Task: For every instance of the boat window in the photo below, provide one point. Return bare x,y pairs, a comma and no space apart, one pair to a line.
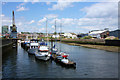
32,46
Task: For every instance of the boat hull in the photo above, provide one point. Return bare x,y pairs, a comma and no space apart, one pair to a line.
42,57
32,51
73,65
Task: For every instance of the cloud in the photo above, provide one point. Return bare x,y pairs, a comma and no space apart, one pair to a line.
102,10
20,5
2,15
25,0
34,1
97,16
51,16
32,21
19,23
22,9
53,26
85,24
6,20
48,3
41,29
3,3
110,0
40,22
22,24
61,4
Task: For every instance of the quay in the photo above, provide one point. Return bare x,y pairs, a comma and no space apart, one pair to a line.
6,44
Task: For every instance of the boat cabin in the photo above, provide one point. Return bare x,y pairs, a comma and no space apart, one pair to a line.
34,45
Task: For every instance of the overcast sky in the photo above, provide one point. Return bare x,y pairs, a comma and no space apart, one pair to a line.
78,17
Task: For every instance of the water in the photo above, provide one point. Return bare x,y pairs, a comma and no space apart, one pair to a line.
90,63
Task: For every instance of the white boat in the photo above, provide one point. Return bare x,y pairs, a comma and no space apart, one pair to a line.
43,53
33,47
63,60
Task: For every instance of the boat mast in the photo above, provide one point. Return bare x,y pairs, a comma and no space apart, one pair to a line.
60,35
55,32
46,30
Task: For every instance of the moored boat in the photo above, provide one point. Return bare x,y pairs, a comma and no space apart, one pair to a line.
62,58
33,46
43,52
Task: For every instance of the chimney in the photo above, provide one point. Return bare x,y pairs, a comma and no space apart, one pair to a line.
13,19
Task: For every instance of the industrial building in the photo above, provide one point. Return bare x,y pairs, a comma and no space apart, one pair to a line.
115,33
5,30
98,33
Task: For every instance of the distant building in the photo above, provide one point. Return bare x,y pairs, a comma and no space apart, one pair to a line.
5,30
69,35
56,36
104,34
81,35
30,36
115,33
97,33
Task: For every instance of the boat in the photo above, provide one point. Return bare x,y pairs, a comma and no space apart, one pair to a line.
33,46
62,59
43,52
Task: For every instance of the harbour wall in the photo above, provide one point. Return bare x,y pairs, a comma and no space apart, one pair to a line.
5,45
112,42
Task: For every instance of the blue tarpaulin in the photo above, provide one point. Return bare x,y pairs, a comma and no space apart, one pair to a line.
43,43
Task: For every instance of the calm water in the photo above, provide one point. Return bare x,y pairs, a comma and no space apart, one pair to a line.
90,63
